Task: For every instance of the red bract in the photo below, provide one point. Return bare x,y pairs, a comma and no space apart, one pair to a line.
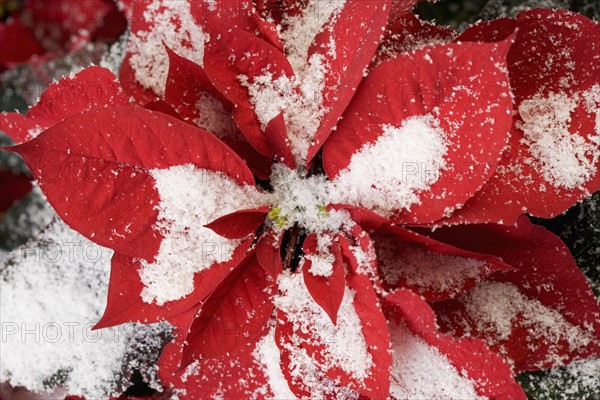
39,30
302,283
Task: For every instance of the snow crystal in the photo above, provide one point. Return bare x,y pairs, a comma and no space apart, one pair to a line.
189,199
344,344
420,371
496,306
303,200
417,148
425,269
173,24
53,291
564,159
267,354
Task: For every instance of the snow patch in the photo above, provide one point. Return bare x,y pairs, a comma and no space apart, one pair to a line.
389,174
190,198
416,365
564,159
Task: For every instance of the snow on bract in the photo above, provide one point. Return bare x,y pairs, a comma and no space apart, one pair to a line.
53,291
424,269
564,158
495,308
416,151
189,199
415,365
170,22
344,345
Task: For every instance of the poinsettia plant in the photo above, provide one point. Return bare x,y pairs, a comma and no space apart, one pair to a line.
330,199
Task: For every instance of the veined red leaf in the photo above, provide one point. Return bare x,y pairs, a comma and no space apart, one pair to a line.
234,315
553,160
542,315
268,252
424,131
125,292
464,368
14,187
314,346
323,272
90,89
435,270
345,46
163,107
240,375
239,224
489,31
95,168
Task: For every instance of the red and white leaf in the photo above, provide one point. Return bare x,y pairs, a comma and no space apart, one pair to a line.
553,160
461,369
353,353
239,224
424,131
125,292
435,270
277,141
323,272
542,315
14,188
344,47
234,314
96,167
145,68
232,54
92,88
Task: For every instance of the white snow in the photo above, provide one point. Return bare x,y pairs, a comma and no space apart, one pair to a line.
389,174
267,353
565,159
214,118
53,291
425,269
420,371
495,307
189,199
344,344
173,24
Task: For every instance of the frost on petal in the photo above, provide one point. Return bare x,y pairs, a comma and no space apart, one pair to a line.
353,353
435,270
190,198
